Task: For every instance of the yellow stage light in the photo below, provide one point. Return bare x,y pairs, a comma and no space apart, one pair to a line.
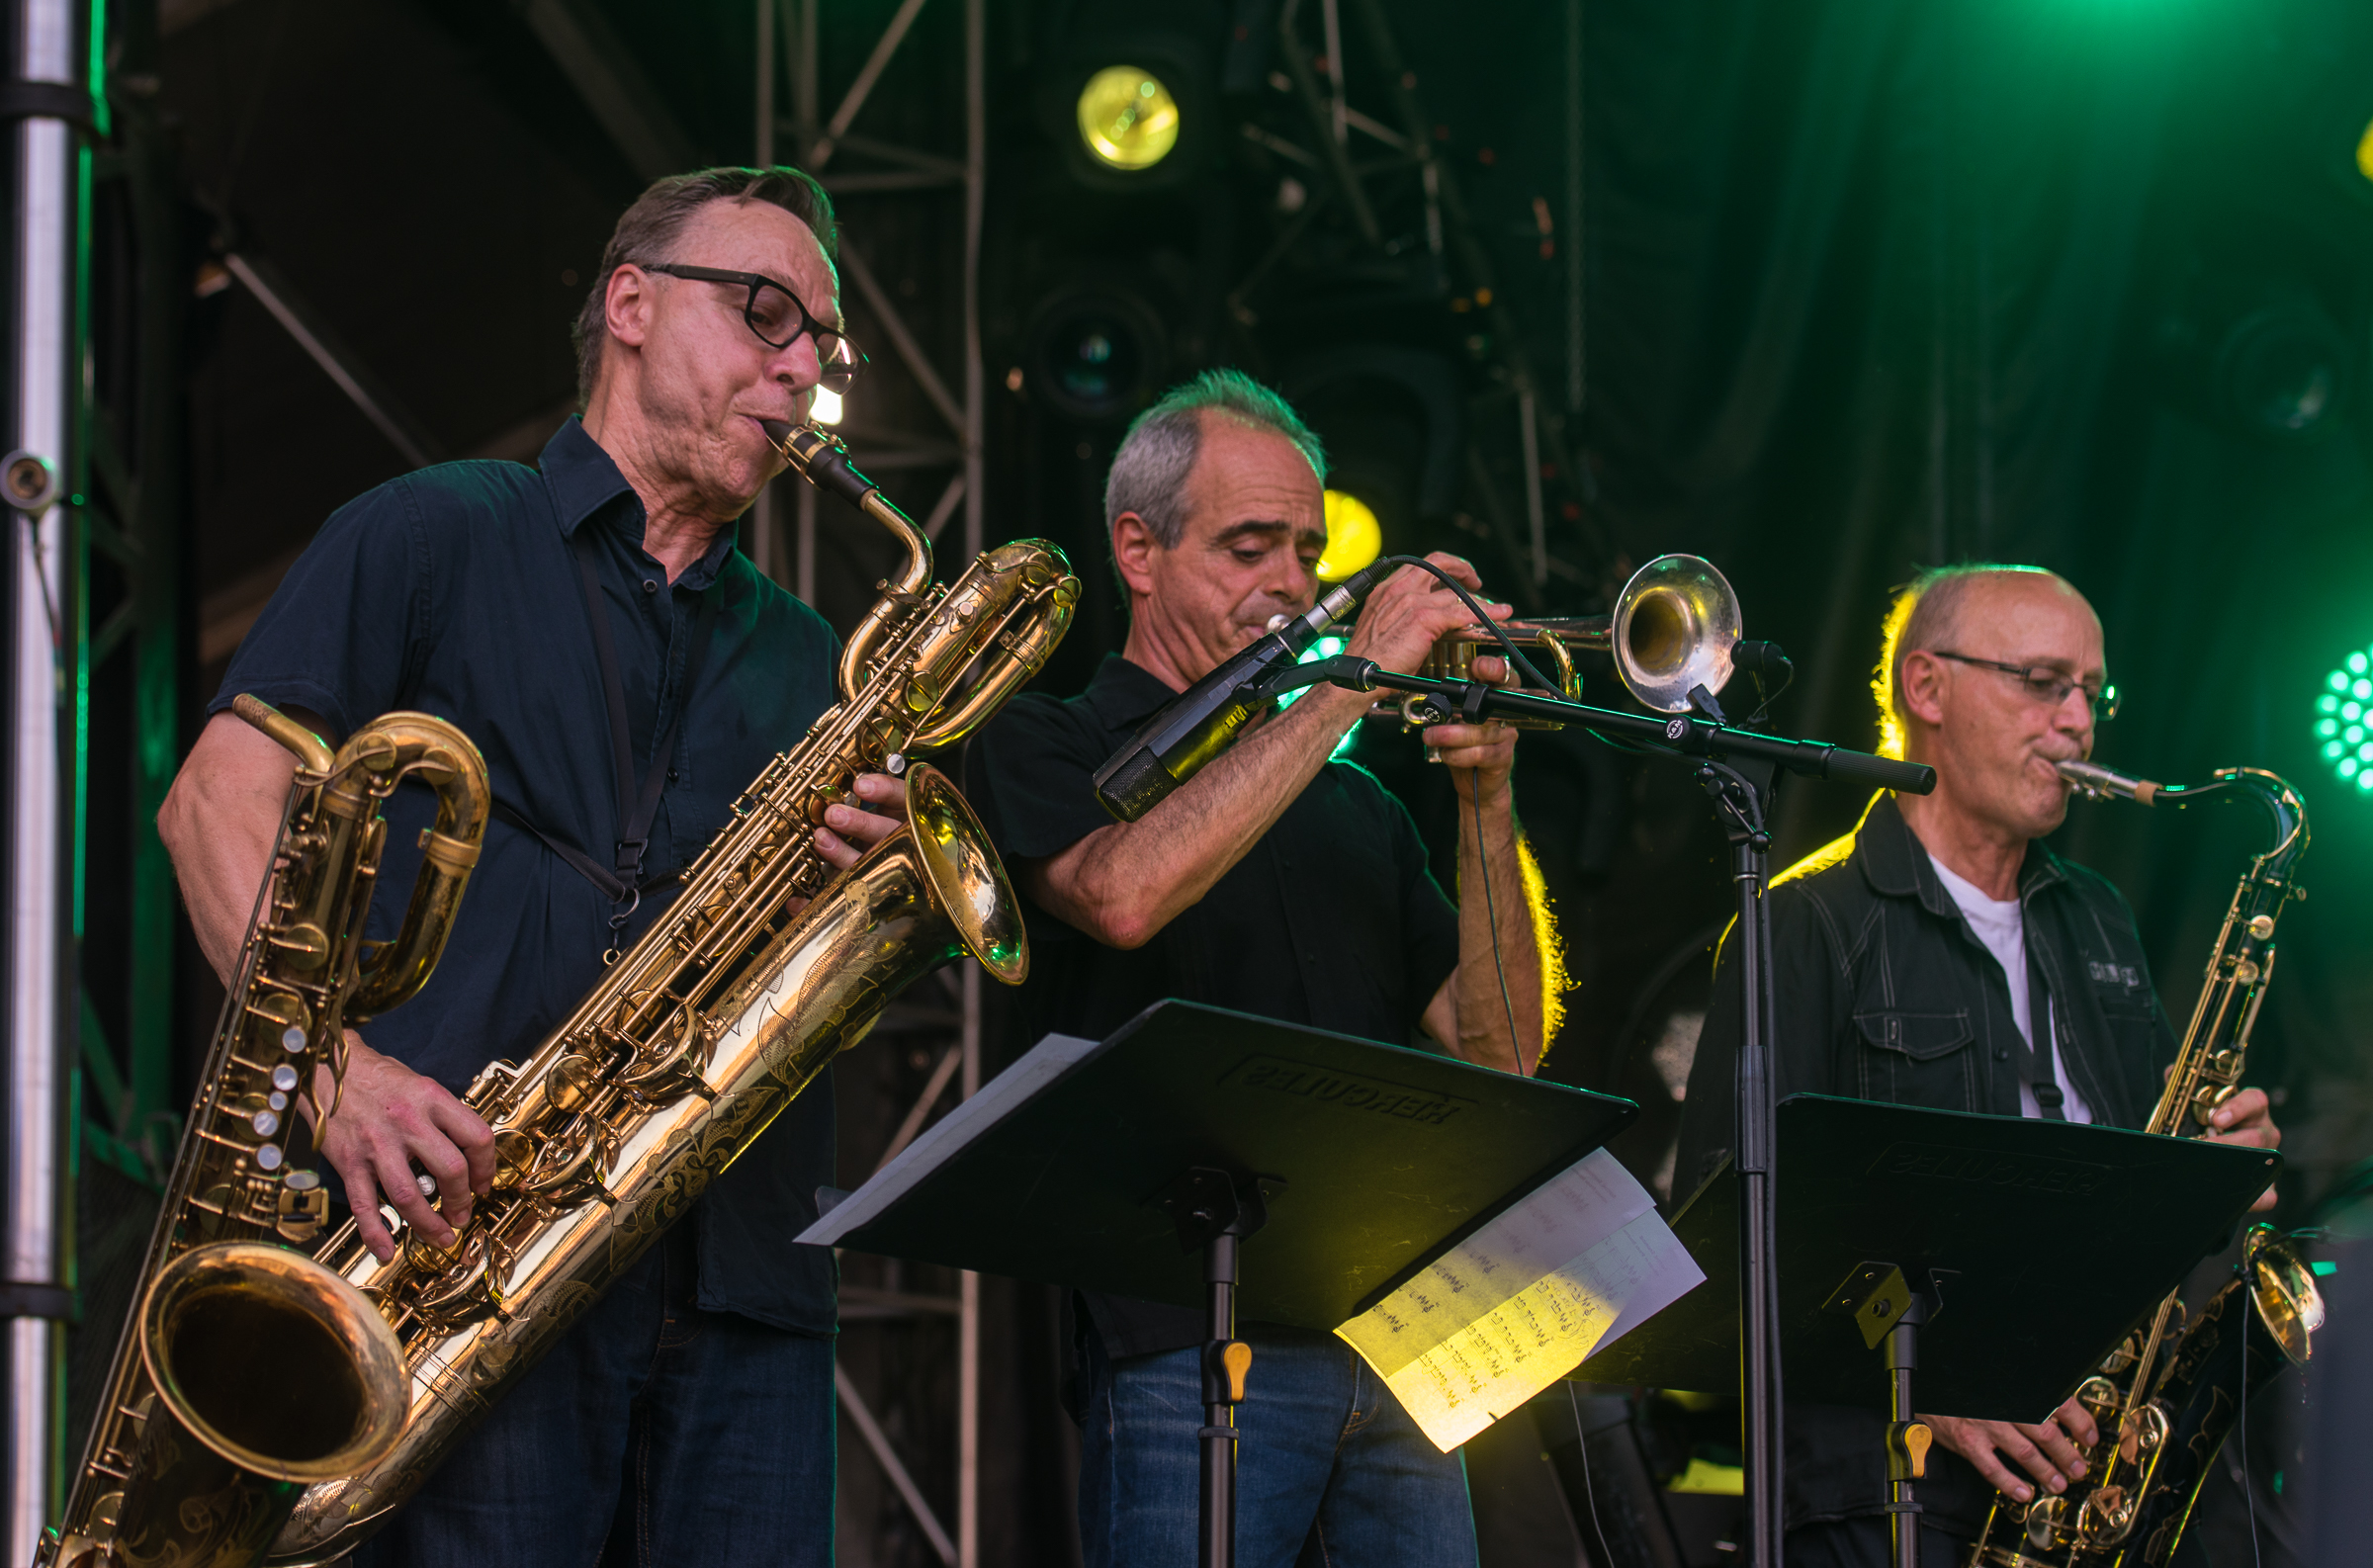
1127,117
2364,153
825,407
1353,537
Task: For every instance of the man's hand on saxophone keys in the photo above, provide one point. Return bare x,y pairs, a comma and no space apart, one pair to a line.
849,832
2246,1119
387,1120
2048,1452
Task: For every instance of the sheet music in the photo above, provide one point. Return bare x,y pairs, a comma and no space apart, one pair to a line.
1525,1300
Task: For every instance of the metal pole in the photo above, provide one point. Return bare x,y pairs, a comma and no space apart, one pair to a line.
765,110
1216,1518
50,167
1577,364
803,555
976,188
762,511
968,1330
1537,521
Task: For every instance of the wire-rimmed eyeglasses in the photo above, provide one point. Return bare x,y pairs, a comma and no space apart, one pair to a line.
2045,684
779,319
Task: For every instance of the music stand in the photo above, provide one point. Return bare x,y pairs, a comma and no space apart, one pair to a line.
1984,1222
1325,1170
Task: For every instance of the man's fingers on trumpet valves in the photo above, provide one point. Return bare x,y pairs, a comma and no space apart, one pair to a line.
1402,620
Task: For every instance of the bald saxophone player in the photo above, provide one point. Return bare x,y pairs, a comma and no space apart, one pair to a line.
1911,959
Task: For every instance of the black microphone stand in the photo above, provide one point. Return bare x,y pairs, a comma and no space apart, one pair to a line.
1737,767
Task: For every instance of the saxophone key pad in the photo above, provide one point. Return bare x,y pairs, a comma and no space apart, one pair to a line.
283,1078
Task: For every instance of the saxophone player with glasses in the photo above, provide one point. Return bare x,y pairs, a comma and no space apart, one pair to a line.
626,672
1942,955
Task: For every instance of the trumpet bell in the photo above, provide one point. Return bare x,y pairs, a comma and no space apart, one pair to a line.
1675,626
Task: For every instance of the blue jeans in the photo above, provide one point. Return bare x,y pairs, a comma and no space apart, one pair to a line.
654,1435
1330,1470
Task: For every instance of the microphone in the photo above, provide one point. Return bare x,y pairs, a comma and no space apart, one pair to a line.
1201,722
1766,661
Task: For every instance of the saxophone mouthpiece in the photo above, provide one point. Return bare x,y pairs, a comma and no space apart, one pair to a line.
777,431
2099,783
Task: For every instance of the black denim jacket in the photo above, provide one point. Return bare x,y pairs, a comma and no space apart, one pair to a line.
1884,993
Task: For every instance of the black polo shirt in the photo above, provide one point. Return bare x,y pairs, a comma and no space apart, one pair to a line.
454,592
1330,920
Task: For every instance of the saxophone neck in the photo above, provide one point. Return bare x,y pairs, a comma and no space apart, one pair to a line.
822,458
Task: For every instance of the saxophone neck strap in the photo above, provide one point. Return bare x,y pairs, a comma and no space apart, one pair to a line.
638,805
2041,1065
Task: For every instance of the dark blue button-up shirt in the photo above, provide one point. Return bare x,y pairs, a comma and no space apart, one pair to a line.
454,592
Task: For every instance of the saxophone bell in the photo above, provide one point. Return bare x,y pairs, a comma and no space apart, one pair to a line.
250,1371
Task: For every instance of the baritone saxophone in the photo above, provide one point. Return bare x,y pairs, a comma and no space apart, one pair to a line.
2168,1396
702,1032
248,1371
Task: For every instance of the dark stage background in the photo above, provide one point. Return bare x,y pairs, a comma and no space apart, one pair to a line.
1826,291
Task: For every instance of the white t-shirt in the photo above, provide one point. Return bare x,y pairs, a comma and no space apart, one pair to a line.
2003,930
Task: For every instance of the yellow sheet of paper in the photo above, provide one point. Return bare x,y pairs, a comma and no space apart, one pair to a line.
1525,1300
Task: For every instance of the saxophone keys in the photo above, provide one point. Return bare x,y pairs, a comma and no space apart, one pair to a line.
464,1285
573,1082
663,1071
304,946
514,1158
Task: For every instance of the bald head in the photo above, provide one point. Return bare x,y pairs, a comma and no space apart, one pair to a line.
1933,611
1990,678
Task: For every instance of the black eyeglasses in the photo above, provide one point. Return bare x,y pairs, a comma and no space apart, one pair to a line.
2045,684
780,320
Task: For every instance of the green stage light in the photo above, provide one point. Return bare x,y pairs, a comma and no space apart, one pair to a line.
2344,720
1324,647
1127,117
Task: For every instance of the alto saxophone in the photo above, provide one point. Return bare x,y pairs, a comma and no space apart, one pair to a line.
703,1032
2165,1398
248,1371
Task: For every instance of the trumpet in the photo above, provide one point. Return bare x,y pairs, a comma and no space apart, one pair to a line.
1675,627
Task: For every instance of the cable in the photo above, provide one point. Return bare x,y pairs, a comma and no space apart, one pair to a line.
1515,658
2249,1493
1516,1039
1589,1495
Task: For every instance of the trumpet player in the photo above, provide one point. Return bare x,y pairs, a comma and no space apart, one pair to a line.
1941,955
1276,882
625,672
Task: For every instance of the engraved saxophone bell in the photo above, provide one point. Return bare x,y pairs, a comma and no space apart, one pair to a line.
250,1371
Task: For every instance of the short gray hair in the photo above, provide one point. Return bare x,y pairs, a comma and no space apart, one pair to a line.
1149,472
647,231
1923,617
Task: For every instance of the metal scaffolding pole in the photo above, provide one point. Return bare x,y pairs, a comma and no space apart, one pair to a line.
823,146
50,102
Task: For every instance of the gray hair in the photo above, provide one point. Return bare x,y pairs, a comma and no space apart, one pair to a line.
1923,617
1149,472
647,231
